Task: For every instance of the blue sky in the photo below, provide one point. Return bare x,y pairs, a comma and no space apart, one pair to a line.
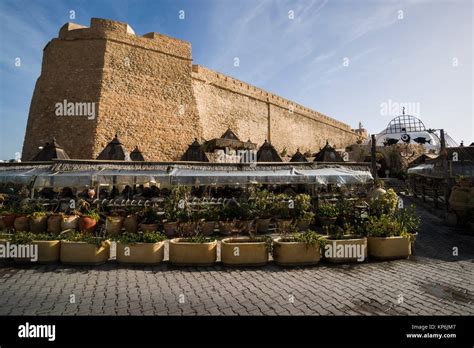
343,58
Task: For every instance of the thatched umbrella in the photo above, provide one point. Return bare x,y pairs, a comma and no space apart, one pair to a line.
267,153
195,153
50,151
136,155
114,151
328,154
298,157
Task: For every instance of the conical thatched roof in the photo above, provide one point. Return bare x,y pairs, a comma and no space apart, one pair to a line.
114,151
195,153
50,151
267,153
328,154
136,155
298,157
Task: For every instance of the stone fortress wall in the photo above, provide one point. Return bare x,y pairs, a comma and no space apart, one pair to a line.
147,90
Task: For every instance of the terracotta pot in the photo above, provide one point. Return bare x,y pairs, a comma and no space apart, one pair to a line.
389,248
295,253
22,223
48,251
130,223
226,227
113,225
192,254
170,229
149,227
140,253
263,225
39,224
239,251
69,222
207,227
54,224
87,224
82,253
346,250
7,221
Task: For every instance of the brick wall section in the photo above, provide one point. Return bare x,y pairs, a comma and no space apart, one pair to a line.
146,89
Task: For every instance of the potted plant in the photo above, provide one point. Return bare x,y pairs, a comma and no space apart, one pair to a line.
38,220
143,248
388,237
88,220
22,221
176,210
54,223
113,224
7,218
284,212
298,249
327,214
70,221
345,245
246,218
48,246
263,201
303,211
245,251
193,251
207,219
150,220
130,221
83,248
227,218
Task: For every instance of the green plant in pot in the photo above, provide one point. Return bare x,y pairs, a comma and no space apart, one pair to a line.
298,248
48,246
113,223
284,211
130,221
38,219
344,244
176,209
207,218
140,248
7,218
385,203
263,205
83,248
246,251
150,220
89,217
54,223
327,214
245,216
303,211
22,221
228,216
197,250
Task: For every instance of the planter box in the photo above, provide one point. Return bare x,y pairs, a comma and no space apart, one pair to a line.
141,253
48,251
82,253
240,251
295,253
192,254
389,248
345,250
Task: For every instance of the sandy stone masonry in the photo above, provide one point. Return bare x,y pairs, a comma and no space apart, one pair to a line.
146,89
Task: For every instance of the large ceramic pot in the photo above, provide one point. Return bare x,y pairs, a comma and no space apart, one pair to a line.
48,252
38,224
140,253
130,223
54,224
351,249
7,221
70,222
113,225
82,253
148,227
263,225
170,229
243,251
87,224
22,224
289,253
389,248
192,254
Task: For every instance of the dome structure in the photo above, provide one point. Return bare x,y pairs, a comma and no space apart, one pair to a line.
407,129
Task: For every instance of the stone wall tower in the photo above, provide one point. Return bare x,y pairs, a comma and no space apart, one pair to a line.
141,88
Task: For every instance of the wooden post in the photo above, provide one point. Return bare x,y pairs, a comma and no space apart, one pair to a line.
373,150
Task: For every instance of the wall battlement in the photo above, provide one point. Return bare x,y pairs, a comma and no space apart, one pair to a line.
146,89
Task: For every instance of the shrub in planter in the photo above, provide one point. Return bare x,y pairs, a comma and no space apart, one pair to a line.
88,221
303,211
327,214
284,212
245,251
176,210
150,221
345,246
245,218
383,203
140,248
38,222
298,249
263,204
48,246
207,219
82,248
227,218
195,251
54,223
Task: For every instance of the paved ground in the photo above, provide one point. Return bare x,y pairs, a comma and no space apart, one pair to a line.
432,282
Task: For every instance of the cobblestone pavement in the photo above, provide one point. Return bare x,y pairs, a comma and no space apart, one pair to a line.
432,282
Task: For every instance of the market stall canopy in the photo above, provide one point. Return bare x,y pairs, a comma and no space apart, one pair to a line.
328,154
114,151
194,153
20,173
50,151
136,155
267,153
298,157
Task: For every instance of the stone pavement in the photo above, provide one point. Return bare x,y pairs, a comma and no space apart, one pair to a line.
431,282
